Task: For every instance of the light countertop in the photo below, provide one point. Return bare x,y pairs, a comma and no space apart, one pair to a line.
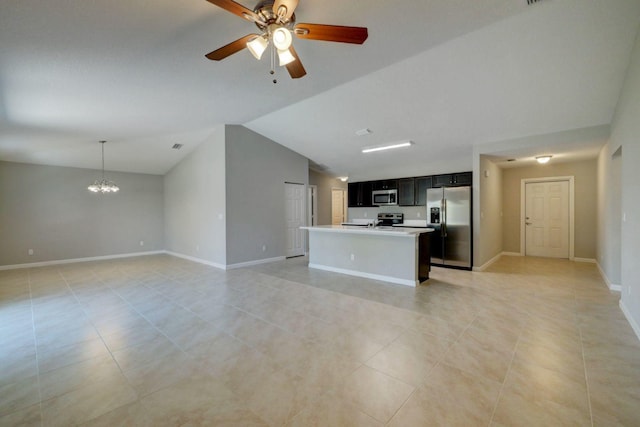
379,231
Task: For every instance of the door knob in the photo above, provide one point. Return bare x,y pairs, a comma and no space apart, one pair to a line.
527,223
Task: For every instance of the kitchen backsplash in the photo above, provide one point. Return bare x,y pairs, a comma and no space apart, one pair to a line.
410,212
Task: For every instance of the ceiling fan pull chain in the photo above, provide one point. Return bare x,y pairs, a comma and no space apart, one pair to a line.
273,61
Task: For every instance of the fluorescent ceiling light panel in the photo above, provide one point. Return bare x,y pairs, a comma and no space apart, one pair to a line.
387,147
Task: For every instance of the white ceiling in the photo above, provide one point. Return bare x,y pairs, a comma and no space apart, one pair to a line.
446,74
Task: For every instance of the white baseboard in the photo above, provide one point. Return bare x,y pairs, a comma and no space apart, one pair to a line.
75,260
611,286
587,260
630,319
198,260
512,254
390,279
256,262
486,265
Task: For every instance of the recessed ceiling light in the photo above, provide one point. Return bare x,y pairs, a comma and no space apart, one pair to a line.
387,147
543,159
363,132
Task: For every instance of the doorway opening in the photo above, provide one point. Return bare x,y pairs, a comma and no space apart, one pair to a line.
338,206
547,217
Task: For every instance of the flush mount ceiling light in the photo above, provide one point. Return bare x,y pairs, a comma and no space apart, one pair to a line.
387,147
543,159
276,21
103,185
343,178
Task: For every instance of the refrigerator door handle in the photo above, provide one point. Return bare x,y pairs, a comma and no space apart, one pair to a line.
443,218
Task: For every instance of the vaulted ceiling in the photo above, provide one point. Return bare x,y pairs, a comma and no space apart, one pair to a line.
446,74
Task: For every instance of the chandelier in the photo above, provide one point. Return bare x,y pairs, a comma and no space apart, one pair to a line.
103,185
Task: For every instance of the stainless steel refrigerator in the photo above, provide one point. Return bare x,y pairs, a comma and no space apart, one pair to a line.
449,212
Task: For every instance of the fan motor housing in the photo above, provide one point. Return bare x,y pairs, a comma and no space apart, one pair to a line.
264,9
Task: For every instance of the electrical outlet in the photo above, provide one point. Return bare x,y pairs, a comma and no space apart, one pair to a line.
141,242
353,257
365,214
264,248
629,290
197,248
30,251
220,216
418,214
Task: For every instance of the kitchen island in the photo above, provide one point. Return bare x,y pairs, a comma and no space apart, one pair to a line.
392,254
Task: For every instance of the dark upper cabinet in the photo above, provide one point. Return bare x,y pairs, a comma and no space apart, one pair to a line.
359,194
406,192
421,186
411,191
452,179
387,184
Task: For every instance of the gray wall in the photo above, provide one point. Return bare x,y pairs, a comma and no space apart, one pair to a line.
626,134
610,214
256,171
49,209
585,173
490,219
194,201
325,184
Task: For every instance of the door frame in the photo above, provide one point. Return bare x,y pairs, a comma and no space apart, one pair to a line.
312,205
345,202
523,213
303,207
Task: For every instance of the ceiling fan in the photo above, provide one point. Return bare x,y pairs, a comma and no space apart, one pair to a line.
277,23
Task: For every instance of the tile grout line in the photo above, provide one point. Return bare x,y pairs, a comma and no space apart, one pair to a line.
586,376
35,342
504,381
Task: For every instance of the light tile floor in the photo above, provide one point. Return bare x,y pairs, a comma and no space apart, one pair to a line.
155,341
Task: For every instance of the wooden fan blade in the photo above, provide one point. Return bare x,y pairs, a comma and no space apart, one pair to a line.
236,9
290,6
295,68
231,48
331,33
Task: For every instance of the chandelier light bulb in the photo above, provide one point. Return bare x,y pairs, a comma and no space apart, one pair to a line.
103,185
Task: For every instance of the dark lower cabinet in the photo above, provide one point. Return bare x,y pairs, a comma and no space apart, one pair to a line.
424,256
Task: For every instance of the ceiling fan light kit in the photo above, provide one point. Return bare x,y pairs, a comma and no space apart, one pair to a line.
277,22
257,46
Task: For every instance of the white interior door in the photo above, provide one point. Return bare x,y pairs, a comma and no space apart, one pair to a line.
338,206
547,219
294,207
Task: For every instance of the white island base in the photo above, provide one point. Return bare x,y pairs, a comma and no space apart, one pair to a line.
396,255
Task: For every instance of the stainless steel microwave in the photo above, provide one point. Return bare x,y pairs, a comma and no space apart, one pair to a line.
384,197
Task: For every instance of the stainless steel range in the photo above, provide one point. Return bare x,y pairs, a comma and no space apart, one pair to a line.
389,219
